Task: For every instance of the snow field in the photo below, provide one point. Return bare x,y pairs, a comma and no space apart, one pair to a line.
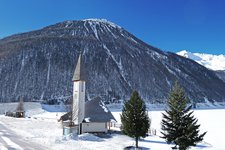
211,120
43,128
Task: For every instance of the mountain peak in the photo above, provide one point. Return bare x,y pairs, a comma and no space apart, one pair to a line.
104,21
98,29
183,52
210,61
91,22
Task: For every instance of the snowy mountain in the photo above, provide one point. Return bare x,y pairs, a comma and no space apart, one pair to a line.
213,62
40,64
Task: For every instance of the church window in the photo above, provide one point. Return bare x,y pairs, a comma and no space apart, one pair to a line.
82,87
75,87
75,96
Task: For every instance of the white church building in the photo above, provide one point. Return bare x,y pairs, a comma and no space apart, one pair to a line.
87,116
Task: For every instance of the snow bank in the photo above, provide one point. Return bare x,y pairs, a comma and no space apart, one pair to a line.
89,137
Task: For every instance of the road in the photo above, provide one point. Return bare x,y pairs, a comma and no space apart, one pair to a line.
10,141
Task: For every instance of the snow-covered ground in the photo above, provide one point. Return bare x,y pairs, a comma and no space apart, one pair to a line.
42,127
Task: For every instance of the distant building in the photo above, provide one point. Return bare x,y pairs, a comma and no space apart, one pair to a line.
90,116
19,112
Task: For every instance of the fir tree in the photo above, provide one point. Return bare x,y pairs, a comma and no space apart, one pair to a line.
135,120
178,124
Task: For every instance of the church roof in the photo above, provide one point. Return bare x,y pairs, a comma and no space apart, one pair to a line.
79,71
96,111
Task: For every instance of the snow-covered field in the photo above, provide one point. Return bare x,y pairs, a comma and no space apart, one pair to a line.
41,127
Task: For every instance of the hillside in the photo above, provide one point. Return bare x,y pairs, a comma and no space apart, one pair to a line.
39,65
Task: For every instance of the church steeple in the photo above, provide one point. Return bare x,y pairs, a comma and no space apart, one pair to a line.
79,74
78,95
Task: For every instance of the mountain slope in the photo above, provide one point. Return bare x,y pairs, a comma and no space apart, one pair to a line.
221,74
40,65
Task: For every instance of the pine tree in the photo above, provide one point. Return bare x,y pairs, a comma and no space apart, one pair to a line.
134,118
178,124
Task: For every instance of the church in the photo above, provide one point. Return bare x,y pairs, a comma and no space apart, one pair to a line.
86,116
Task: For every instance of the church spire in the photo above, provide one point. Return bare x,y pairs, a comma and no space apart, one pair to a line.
79,71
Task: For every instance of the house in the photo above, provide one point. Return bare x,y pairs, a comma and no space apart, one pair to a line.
19,112
91,116
16,114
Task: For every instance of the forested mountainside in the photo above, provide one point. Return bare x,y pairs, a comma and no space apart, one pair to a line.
40,64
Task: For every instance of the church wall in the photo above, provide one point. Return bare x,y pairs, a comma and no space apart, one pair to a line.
78,101
94,127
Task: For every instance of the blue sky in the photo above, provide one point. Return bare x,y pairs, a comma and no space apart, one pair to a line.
171,25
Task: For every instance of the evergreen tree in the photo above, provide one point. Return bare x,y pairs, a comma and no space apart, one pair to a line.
178,124
135,120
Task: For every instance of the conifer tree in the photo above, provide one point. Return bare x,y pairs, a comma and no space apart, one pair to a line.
134,118
178,124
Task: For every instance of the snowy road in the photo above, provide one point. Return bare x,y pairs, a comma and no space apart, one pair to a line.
11,141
